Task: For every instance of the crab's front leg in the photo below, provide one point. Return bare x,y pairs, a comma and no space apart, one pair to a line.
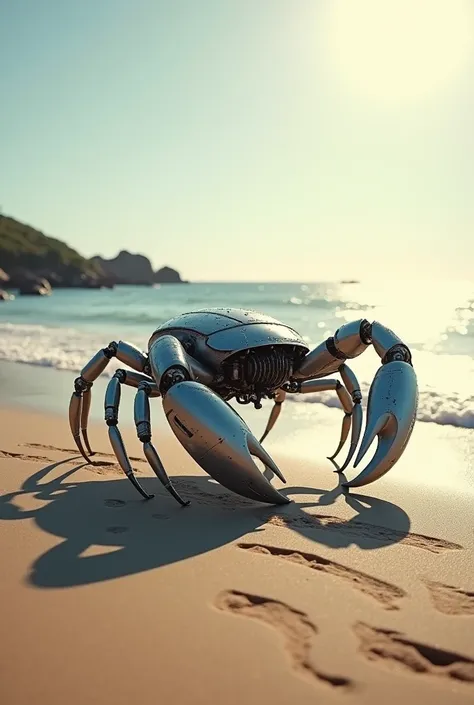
393,396
80,403
209,429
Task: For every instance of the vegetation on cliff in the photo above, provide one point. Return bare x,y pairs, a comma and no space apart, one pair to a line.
28,256
24,248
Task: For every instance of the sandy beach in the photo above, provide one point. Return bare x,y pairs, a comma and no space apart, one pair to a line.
272,200
333,598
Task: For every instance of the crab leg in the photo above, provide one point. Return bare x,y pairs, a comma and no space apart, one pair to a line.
322,385
142,422
352,385
80,403
346,427
75,410
275,412
111,407
86,405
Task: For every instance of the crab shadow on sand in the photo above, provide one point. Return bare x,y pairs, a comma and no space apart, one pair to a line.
107,532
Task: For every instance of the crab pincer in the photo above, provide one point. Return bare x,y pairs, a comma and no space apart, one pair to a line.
391,413
220,441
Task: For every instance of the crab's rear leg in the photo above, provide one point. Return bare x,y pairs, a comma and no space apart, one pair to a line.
111,408
353,387
80,403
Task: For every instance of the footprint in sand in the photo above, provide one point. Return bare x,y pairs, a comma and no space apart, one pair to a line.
385,593
389,646
294,626
74,450
22,456
358,529
451,600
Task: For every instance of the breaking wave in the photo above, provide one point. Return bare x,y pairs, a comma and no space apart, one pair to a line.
446,382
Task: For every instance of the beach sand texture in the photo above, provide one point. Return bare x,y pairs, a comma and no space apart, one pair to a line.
105,598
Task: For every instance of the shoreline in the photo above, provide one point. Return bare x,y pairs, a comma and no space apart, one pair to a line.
307,432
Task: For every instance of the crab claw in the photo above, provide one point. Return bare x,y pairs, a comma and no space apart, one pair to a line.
220,441
391,413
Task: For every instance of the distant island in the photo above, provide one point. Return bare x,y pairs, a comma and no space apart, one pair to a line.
127,268
35,263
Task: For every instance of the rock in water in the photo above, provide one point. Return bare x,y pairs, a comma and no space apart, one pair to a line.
4,277
127,268
5,296
34,286
166,275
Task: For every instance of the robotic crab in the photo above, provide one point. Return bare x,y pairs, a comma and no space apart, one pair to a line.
199,361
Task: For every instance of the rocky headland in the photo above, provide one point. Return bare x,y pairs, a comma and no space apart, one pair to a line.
34,263
128,268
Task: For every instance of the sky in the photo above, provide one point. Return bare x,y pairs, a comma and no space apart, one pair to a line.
245,140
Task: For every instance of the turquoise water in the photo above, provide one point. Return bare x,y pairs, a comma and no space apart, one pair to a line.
64,330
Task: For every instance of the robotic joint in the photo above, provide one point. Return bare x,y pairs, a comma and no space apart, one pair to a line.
144,431
81,385
365,332
173,376
121,375
331,348
397,353
145,387
111,350
292,387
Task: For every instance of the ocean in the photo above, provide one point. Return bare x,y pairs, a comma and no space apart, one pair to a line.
435,319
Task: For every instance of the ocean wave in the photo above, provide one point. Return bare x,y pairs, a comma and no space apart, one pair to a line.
446,382
326,304
434,407
59,348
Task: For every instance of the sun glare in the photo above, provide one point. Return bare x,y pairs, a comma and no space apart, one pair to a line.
397,51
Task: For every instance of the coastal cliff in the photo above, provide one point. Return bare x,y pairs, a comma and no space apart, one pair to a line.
27,254
29,258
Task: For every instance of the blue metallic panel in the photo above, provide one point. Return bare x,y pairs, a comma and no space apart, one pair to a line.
254,335
203,322
244,316
212,320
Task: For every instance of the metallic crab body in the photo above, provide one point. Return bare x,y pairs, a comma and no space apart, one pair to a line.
198,361
249,354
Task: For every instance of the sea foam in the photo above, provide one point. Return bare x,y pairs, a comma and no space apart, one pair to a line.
445,381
